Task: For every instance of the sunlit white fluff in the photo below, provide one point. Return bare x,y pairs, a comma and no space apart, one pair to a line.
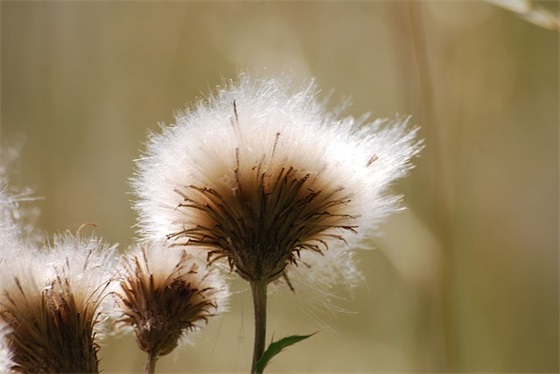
16,221
244,137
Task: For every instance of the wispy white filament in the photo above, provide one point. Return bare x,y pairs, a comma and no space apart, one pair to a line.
6,362
15,227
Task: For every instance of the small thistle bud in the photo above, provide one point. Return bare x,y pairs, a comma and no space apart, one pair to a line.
52,301
165,295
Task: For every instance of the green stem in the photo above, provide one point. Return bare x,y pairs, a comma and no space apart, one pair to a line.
150,366
258,289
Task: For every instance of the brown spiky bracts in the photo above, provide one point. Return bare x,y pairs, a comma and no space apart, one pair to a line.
264,222
164,294
54,333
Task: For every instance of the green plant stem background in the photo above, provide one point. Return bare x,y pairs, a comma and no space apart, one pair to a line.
466,279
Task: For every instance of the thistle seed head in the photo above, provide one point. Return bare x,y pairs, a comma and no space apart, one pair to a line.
262,172
52,301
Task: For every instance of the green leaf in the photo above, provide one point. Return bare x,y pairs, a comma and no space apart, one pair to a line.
276,347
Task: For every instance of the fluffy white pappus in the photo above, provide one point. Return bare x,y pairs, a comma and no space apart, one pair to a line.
88,263
9,231
262,160
85,265
16,223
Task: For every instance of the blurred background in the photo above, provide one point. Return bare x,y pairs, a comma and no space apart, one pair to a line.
464,280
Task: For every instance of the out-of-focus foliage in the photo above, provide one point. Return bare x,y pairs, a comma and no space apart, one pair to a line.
465,279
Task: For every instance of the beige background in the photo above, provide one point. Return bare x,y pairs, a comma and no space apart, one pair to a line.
465,280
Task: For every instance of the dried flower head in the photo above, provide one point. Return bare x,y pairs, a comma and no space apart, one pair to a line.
52,300
163,296
262,172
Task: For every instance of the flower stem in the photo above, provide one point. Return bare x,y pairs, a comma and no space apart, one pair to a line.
258,289
150,366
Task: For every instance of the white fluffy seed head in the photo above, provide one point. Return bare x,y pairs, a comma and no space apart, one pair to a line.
261,172
53,299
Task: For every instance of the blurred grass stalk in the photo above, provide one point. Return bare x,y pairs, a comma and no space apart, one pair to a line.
440,334
530,12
